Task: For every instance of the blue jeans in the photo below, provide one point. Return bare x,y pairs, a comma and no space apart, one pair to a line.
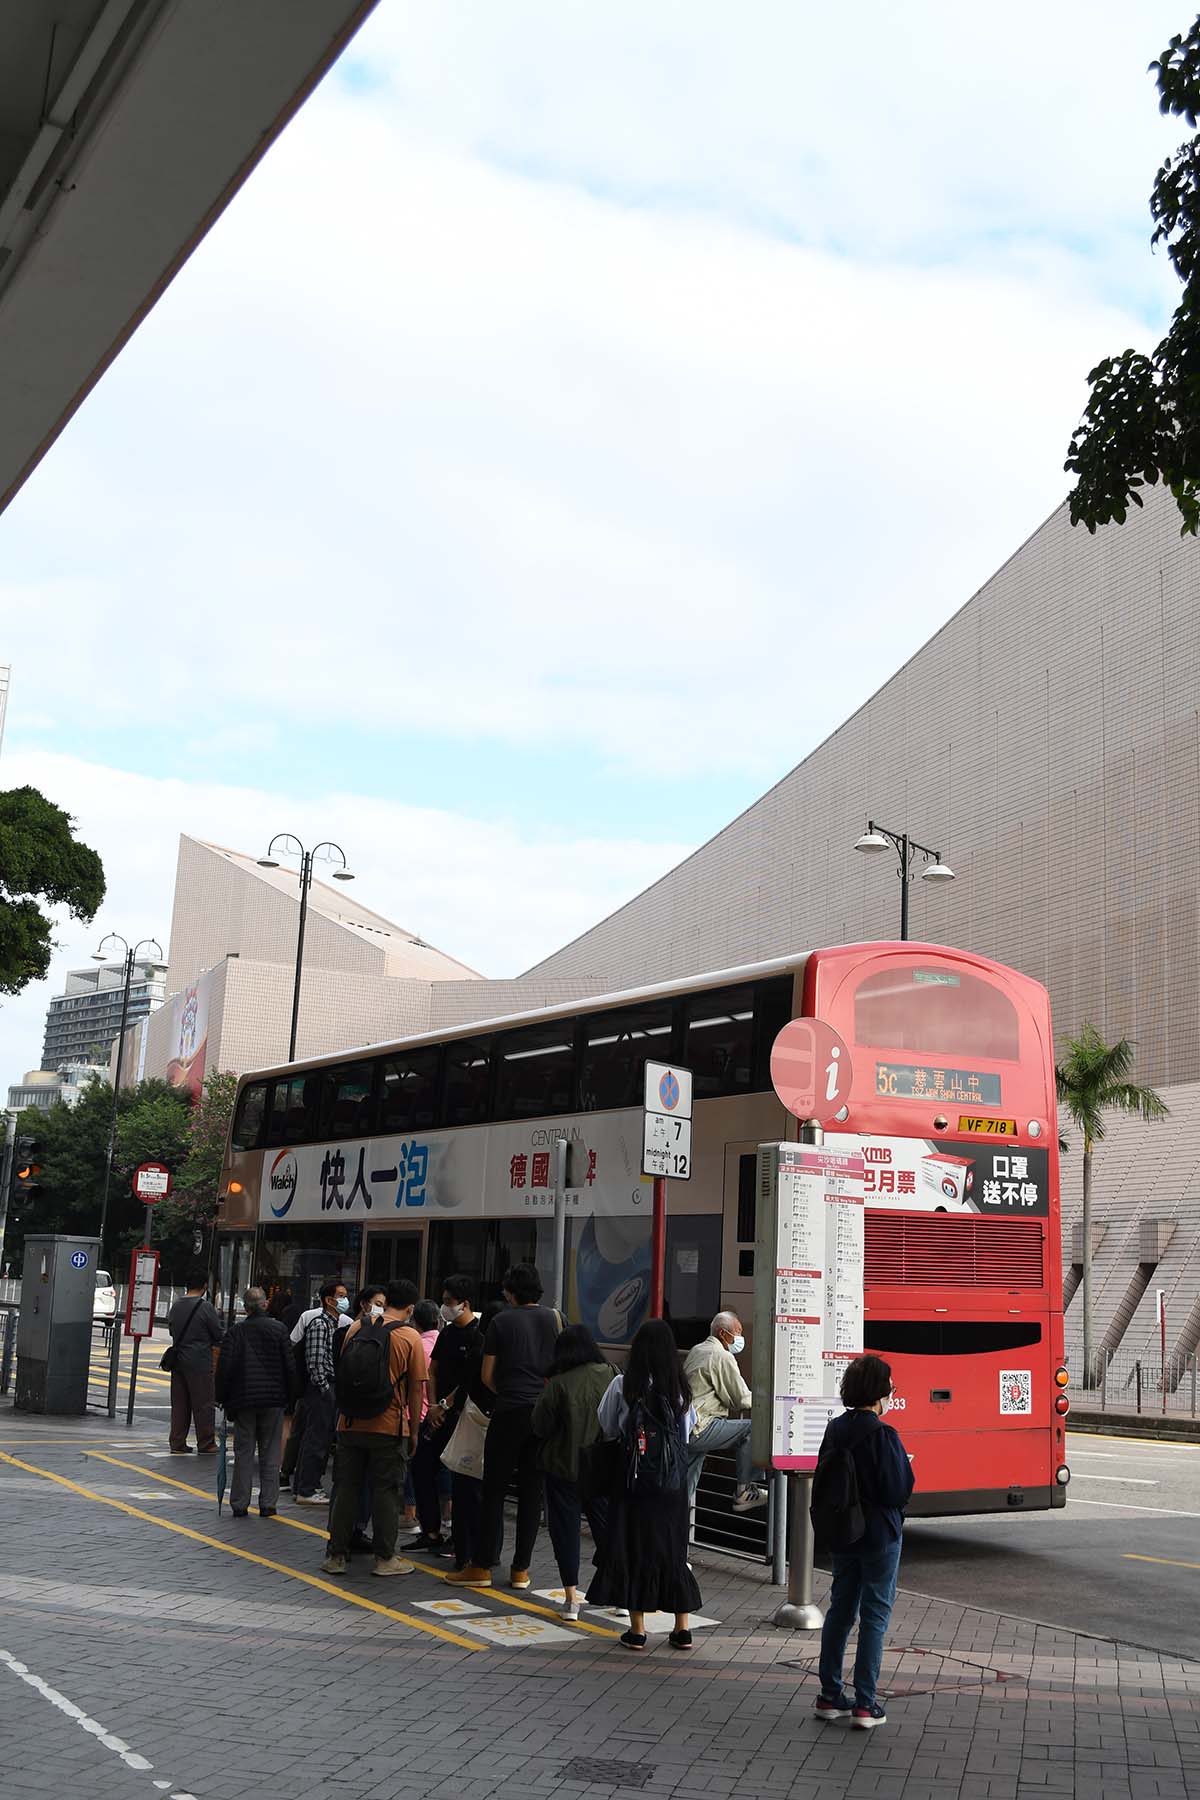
721,1435
864,1587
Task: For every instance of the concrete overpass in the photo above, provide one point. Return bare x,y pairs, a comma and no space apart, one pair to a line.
126,127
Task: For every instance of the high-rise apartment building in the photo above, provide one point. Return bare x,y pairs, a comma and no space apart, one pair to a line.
83,1021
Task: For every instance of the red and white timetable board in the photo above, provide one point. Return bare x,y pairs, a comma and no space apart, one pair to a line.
808,1296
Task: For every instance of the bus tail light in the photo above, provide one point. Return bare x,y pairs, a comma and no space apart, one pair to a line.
1062,1476
1061,1377
235,1187
1061,1404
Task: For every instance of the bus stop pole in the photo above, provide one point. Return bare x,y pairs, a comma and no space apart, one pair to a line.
560,1225
800,1611
137,1342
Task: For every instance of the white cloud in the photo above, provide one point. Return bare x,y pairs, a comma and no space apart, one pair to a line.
495,895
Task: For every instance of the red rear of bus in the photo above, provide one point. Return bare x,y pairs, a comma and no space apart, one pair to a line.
953,1099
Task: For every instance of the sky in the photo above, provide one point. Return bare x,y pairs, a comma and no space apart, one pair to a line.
578,414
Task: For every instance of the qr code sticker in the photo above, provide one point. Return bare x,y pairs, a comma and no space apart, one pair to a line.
1016,1392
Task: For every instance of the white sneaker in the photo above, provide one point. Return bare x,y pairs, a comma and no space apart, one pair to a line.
570,1612
317,1499
747,1498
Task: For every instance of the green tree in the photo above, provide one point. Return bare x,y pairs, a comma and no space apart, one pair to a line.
192,1208
1142,422
41,860
1092,1080
152,1126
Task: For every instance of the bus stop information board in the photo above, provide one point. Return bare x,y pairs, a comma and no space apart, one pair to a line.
809,1320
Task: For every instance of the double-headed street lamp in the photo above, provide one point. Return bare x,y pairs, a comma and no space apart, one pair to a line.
291,846
131,958
877,837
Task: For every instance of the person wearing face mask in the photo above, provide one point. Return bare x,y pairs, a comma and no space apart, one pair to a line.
318,1401
721,1398
450,1357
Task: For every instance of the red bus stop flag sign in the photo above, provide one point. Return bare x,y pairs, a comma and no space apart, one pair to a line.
151,1182
811,1070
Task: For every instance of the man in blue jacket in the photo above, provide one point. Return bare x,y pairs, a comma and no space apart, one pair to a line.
864,1576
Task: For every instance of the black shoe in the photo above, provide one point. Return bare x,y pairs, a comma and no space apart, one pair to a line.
267,1512
361,1545
633,1640
425,1542
240,1512
680,1640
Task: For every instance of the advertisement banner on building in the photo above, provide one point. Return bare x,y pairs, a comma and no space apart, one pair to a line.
498,1170
946,1175
188,1036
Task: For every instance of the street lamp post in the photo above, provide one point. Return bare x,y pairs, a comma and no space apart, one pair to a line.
877,837
131,956
307,857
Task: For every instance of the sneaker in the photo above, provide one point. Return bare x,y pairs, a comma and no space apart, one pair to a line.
570,1612
832,1709
317,1499
334,1565
393,1565
680,1640
747,1498
425,1542
519,1578
472,1576
865,1718
633,1640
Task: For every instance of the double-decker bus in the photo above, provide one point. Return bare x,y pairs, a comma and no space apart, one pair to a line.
434,1156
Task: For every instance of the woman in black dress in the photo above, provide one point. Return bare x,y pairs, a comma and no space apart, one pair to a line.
642,1564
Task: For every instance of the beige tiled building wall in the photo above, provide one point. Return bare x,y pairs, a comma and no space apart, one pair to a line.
1047,742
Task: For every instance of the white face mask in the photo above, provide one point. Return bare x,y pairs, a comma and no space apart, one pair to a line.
451,1312
343,1305
377,1311
738,1344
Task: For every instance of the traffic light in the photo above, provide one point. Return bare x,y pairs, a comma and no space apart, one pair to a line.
28,1156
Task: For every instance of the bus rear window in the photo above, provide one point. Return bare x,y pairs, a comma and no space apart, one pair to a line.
948,1337
935,1012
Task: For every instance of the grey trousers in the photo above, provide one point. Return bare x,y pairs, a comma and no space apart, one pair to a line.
260,1430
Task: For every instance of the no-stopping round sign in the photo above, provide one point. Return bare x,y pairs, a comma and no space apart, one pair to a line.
151,1182
811,1070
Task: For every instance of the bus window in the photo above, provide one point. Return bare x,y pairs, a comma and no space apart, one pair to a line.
346,1100
468,1076
935,1012
719,1041
948,1337
292,1118
614,1051
408,1091
535,1071
247,1127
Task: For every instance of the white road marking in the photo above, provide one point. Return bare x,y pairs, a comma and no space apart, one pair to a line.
1129,1480
131,1758
1167,1512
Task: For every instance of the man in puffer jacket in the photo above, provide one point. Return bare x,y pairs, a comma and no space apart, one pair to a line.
257,1382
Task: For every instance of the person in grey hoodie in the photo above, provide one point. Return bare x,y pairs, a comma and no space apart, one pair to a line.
864,1576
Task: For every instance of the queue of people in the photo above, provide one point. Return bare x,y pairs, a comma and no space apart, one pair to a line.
390,1383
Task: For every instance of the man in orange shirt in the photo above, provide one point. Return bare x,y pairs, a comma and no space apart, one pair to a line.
380,1384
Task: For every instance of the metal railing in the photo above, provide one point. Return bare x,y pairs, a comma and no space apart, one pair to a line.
1120,1381
715,1525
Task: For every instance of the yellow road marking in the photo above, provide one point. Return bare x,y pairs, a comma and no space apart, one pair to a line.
51,1443
1168,1561
264,1562
504,1595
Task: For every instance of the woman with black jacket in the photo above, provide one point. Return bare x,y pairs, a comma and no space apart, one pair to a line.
256,1382
864,1577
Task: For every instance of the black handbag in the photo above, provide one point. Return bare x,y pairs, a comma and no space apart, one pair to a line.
601,1469
170,1355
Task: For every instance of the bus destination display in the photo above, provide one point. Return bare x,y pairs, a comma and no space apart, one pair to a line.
957,1087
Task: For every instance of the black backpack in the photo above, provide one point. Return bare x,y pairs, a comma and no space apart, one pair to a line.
838,1509
364,1375
653,1450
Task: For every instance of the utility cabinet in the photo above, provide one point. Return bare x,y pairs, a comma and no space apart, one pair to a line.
54,1331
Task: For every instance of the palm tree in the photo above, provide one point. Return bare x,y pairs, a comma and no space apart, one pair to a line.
1093,1079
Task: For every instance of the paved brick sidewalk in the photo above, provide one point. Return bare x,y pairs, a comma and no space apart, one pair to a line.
229,1677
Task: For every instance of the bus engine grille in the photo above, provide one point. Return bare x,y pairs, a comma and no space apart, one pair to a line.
914,1249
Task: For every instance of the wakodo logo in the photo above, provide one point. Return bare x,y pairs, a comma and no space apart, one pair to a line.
281,1181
